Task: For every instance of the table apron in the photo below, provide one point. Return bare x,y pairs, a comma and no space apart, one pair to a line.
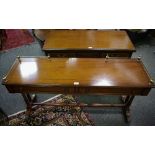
79,90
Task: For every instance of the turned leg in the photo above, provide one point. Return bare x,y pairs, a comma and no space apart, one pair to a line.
126,108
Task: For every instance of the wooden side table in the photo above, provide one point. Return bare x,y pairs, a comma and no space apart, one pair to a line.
79,76
88,43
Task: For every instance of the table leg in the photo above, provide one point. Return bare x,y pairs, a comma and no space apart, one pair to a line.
126,108
29,100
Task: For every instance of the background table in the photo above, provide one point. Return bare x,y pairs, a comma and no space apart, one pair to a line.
88,43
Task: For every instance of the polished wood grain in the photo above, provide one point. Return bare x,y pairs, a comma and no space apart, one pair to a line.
78,75
87,39
88,43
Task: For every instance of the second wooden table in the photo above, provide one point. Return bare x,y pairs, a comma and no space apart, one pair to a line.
88,43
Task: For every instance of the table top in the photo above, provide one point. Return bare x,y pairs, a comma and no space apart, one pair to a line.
89,72
87,40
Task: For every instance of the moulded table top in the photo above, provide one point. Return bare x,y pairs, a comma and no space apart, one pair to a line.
78,71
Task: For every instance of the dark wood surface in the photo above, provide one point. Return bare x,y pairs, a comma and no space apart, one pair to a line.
78,75
88,43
